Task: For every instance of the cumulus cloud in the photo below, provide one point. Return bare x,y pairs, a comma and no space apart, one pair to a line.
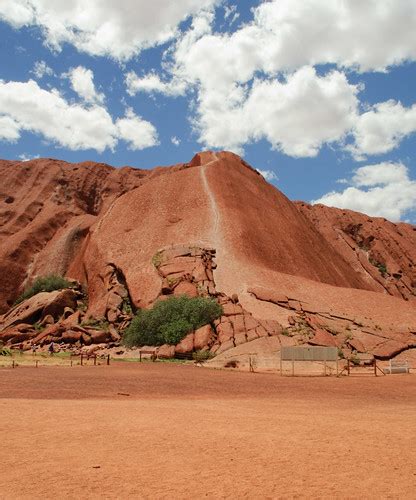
26,157
175,141
9,129
40,69
26,106
383,190
151,83
263,68
231,13
82,82
296,116
269,175
381,128
139,133
103,27
263,61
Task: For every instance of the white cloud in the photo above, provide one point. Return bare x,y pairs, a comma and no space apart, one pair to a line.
381,128
230,11
268,62
82,82
383,190
296,116
151,83
269,175
139,133
175,141
40,69
25,157
103,27
26,106
9,129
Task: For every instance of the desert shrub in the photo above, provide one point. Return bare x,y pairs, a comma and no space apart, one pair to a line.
202,355
44,284
170,320
96,324
5,351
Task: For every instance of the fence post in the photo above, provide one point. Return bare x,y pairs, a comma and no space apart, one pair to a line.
81,359
36,363
140,356
108,359
293,363
348,366
95,360
375,367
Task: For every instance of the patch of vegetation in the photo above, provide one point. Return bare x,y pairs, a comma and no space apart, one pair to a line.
341,353
172,281
126,306
286,332
5,351
38,327
170,320
97,324
157,259
82,306
47,283
380,266
202,355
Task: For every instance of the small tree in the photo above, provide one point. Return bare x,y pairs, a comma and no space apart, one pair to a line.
44,284
170,320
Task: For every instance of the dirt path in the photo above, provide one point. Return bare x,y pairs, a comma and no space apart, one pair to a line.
186,432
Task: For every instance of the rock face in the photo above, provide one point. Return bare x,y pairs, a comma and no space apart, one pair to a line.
212,227
382,252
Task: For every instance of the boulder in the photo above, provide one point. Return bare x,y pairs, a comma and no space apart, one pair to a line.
166,351
39,306
70,337
64,299
389,349
202,337
186,345
230,309
186,288
225,331
323,338
47,320
99,336
356,344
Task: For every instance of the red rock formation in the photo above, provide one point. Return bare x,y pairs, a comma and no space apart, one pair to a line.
382,252
213,227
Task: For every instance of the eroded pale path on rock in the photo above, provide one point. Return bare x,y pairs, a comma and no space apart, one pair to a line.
226,262
215,235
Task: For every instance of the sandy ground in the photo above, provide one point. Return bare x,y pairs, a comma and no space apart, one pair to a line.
188,432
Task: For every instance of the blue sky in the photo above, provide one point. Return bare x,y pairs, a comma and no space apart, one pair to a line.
318,95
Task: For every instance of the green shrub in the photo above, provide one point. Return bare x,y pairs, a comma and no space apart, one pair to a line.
44,284
5,351
202,355
170,320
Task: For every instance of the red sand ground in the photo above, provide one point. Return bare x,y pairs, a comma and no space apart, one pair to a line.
188,432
